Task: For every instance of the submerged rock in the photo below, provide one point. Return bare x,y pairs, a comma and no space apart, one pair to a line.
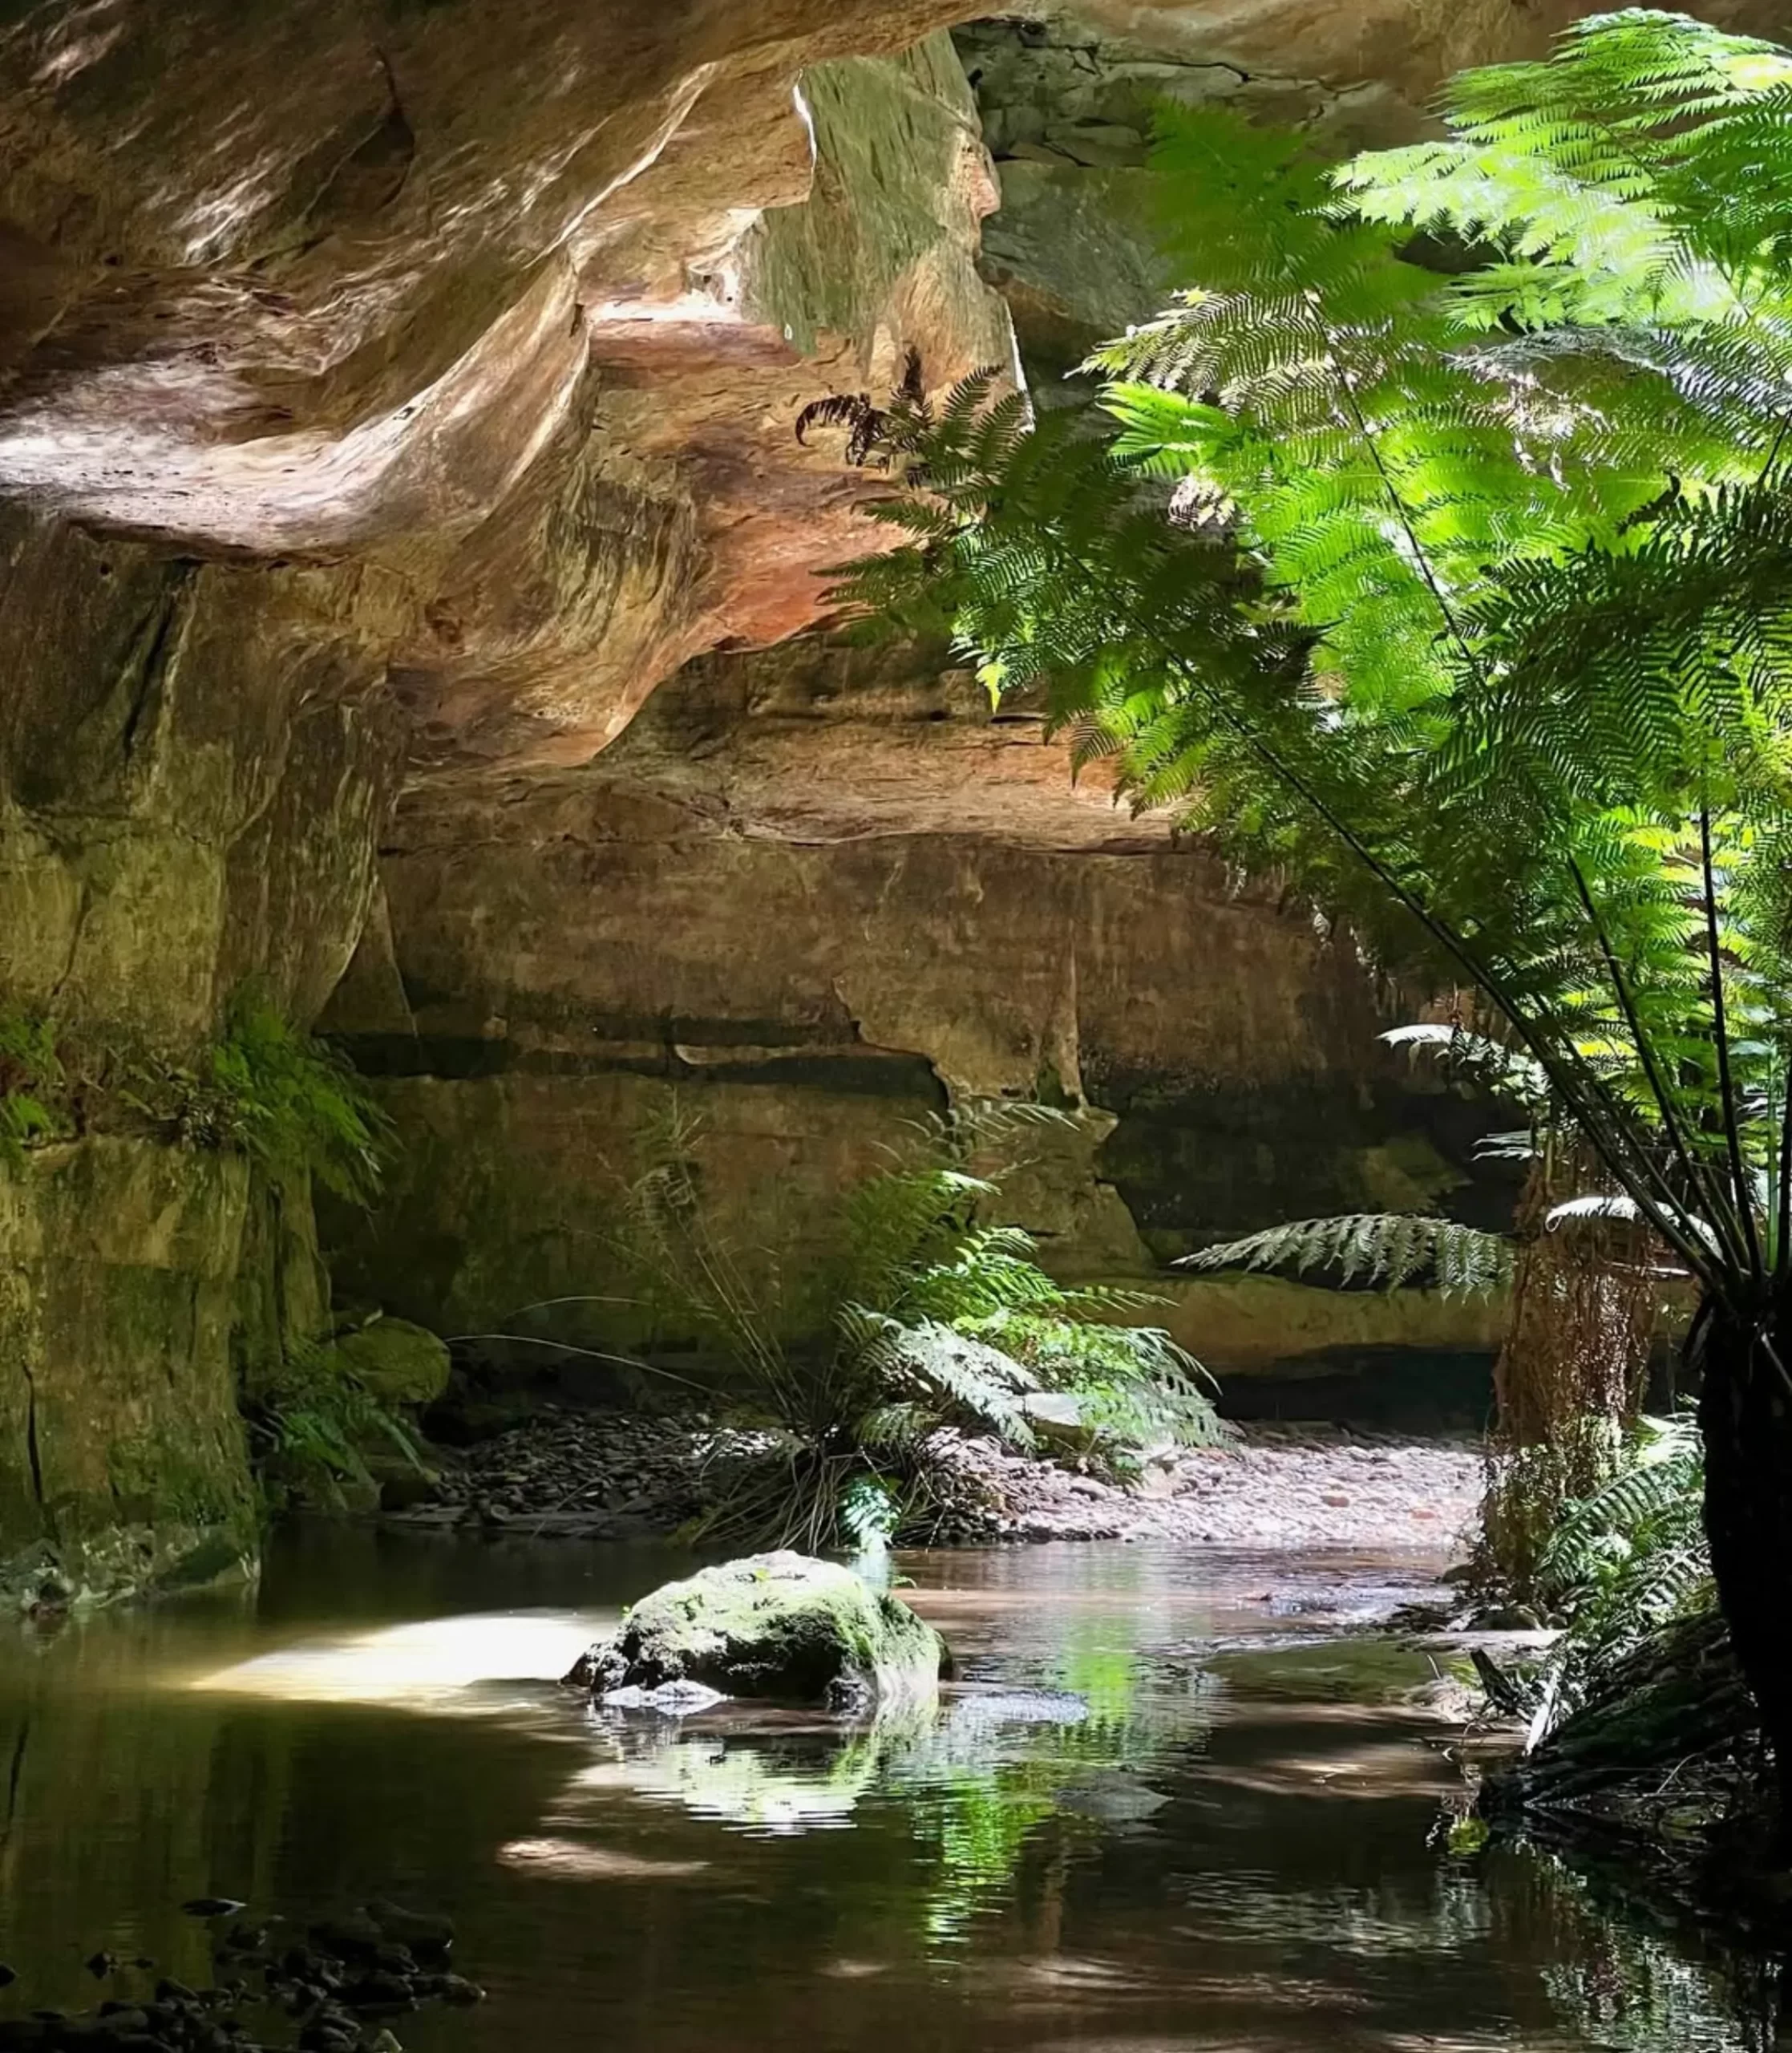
781,1627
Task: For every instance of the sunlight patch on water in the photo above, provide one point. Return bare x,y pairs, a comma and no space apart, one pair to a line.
430,1665
568,1859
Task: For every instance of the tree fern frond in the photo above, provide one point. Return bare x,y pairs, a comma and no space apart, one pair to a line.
1392,1250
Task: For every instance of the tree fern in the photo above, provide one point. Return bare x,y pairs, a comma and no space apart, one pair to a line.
1462,601
1485,642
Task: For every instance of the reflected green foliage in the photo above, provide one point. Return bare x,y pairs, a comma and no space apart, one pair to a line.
985,1783
1623,1985
748,1882
980,1829
762,1786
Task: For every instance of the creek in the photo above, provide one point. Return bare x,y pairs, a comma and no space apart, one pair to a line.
1179,1800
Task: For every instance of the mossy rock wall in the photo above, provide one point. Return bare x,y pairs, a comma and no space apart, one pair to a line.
191,782
121,1449
372,480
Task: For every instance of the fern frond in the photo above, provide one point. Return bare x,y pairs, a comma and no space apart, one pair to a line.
1390,1249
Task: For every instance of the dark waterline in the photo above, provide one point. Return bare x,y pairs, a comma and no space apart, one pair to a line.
1170,1812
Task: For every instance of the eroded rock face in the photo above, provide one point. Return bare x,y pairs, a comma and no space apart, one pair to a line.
122,1456
801,903
402,387
489,299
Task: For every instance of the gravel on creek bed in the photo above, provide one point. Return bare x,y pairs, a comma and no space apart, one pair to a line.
604,1476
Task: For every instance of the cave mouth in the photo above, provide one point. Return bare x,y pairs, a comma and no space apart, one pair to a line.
433,775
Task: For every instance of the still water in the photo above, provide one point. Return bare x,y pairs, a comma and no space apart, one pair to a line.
1173,1806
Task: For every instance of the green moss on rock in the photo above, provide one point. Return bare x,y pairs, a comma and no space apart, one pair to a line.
395,1361
779,1626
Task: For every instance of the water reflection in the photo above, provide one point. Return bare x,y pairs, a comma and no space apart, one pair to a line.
1165,1810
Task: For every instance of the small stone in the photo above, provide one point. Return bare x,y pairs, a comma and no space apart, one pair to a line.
1504,1618
379,1996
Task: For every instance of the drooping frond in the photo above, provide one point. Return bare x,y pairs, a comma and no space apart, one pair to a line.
1476,1058
949,1373
1392,1250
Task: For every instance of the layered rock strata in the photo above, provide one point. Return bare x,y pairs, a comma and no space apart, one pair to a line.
381,392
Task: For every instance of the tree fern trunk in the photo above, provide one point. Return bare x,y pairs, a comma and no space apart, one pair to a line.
1570,1374
1745,1413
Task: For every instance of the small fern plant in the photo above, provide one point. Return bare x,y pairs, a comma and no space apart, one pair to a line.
940,1317
1633,1554
1626,1560
313,1424
31,1081
289,1101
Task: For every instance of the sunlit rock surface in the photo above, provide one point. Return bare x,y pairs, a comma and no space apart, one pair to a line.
811,900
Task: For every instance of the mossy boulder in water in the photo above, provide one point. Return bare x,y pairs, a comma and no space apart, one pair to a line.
781,1627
